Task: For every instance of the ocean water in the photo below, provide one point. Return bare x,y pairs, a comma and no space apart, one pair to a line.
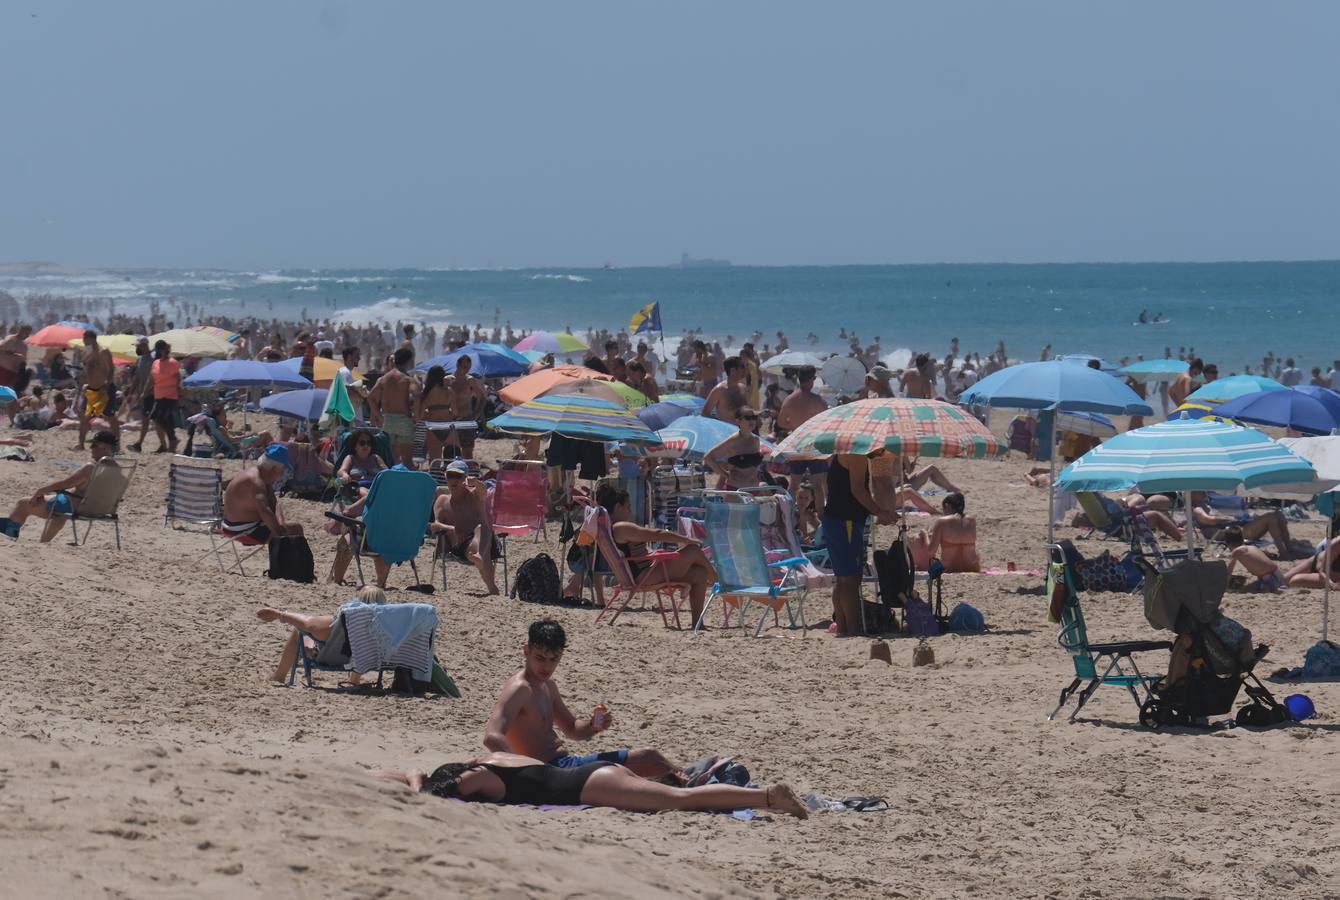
1231,313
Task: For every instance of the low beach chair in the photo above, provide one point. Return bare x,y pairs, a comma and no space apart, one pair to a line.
673,487
516,505
195,497
745,576
101,499
655,580
392,637
1110,663
1105,515
395,517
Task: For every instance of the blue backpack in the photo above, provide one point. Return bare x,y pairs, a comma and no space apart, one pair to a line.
966,618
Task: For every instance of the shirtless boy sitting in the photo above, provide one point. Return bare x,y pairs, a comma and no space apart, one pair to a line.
1269,578
460,519
530,708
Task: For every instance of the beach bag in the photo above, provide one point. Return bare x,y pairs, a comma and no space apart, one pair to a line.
919,618
537,581
731,773
897,576
966,618
1322,660
878,618
291,559
1107,573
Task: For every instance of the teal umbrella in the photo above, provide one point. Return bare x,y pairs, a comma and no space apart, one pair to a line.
1221,390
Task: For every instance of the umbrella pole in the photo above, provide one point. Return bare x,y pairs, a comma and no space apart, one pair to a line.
1326,586
1051,487
1190,525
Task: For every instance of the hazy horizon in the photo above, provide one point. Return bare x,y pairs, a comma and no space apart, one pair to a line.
332,134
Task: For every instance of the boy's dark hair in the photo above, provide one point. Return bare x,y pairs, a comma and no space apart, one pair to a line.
611,345
105,437
1195,366
547,634
403,356
732,364
348,352
1233,536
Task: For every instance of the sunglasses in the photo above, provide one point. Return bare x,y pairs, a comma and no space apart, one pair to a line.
363,444
455,474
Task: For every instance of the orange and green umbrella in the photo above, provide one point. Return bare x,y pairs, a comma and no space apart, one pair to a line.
897,426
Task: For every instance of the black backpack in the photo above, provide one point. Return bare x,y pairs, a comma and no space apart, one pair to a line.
897,575
537,581
291,559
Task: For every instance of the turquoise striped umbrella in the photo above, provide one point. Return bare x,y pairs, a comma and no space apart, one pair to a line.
1185,455
1221,390
576,416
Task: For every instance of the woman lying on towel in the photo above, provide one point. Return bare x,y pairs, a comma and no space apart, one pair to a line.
508,778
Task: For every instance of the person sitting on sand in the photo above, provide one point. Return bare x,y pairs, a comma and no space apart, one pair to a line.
1269,578
1212,524
953,537
251,512
1308,573
461,522
530,709
509,778
64,497
317,626
738,459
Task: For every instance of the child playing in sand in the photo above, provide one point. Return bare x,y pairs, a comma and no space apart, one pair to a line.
1269,579
530,708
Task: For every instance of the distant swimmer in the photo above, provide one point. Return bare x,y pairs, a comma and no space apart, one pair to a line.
1144,317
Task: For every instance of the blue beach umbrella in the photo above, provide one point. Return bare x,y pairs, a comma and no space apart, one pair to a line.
1307,413
7,395
576,416
245,373
692,436
1221,390
307,404
1056,386
486,360
659,415
1084,359
1155,369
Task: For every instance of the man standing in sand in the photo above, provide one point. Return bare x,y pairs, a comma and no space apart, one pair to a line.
706,367
467,401
392,407
530,708
724,400
100,397
14,357
1183,384
460,519
799,407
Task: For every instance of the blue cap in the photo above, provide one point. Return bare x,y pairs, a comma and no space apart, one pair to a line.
279,453
1300,707
457,465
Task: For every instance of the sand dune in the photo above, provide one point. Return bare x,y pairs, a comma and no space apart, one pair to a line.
144,755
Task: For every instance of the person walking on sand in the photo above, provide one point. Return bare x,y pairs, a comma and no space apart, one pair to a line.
392,404
100,396
530,708
165,373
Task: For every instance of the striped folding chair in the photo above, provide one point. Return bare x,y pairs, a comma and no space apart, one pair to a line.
745,576
195,497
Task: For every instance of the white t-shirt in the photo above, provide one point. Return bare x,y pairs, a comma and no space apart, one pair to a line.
1291,376
345,375
1334,375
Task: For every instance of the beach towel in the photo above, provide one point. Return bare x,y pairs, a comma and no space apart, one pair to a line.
393,635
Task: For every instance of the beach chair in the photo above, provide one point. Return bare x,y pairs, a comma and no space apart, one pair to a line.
781,539
1111,663
381,445
101,499
673,487
1145,546
655,580
745,576
353,645
195,497
1105,515
307,482
516,505
225,446
395,517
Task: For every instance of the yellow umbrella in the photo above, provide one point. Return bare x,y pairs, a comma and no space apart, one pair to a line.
189,342
323,370
121,345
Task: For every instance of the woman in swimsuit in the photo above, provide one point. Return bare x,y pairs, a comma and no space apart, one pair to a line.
435,406
738,458
361,465
509,778
953,536
1308,572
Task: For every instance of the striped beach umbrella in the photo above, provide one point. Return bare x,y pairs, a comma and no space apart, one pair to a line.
1185,455
576,416
897,426
550,342
222,334
530,386
692,436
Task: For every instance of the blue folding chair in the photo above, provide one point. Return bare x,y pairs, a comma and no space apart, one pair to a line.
744,574
395,516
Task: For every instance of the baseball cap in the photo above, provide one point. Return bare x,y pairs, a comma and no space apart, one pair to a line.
278,453
457,465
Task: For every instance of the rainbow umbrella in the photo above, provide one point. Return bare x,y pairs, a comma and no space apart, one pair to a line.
214,331
536,383
59,336
613,391
550,342
894,425
576,416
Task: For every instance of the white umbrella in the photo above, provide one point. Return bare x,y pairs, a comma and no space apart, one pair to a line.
844,374
773,365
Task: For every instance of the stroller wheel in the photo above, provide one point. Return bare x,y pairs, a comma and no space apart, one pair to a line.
1174,715
1151,713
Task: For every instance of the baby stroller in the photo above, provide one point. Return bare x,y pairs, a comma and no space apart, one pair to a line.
1212,658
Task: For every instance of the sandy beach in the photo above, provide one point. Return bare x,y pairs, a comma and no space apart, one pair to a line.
145,755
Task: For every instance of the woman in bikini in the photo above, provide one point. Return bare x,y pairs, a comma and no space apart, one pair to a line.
953,537
1308,573
738,459
362,464
509,778
435,406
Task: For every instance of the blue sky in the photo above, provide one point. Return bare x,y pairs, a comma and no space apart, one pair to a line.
251,134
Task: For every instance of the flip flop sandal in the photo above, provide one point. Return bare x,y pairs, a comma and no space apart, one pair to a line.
865,804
